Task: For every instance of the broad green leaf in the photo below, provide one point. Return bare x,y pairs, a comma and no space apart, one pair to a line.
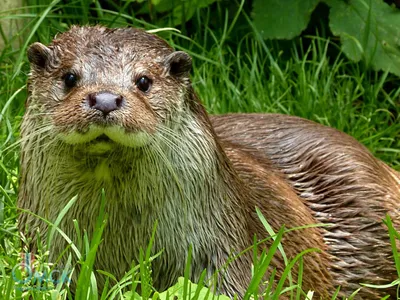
177,291
278,19
368,30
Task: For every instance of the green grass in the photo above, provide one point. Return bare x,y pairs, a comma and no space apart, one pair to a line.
234,71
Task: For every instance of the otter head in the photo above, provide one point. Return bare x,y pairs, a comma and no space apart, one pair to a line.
107,87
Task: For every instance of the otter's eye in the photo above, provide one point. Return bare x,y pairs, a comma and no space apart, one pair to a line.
70,80
143,83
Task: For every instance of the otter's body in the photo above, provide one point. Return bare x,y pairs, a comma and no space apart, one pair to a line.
114,109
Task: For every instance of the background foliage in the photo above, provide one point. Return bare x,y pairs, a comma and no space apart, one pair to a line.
368,29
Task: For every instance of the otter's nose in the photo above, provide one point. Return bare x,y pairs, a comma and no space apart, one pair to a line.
105,102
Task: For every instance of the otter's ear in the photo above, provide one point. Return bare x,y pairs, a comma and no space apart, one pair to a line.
178,64
38,55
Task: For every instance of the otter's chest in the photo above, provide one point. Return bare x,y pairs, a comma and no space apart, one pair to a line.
133,204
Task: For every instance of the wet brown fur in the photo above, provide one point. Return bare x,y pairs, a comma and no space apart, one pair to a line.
296,171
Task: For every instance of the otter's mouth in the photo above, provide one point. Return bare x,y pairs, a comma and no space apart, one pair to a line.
100,145
102,138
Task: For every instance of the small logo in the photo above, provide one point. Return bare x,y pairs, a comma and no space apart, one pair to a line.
30,275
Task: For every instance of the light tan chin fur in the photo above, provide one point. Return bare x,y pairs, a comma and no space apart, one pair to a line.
115,133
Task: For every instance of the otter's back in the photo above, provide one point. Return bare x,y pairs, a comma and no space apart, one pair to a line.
340,181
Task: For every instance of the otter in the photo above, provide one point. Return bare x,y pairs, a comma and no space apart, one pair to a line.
115,109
